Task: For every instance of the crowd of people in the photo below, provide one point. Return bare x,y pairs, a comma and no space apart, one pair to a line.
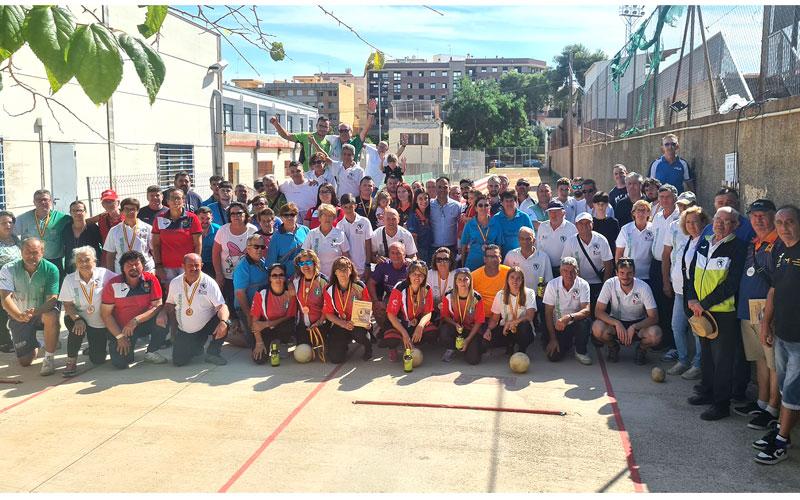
641,266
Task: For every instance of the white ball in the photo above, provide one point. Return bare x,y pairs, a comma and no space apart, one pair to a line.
416,357
303,353
519,362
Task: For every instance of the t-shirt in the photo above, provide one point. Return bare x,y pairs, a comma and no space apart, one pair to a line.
176,236
551,241
285,246
785,280
268,306
335,299
608,227
193,201
219,214
335,151
581,206
598,250
251,276
326,177
637,246
572,207
208,243
303,195
566,301
367,208
375,166
123,238
327,247
52,227
677,240
30,291
402,235
467,315
661,231
488,286
507,229
407,305
348,179
358,233
439,287
130,302
761,259
477,236
75,290
10,251
624,211
386,276
205,297
148,215
674,173
234,247
308,148
310,295
536,266
631,306
513,311
617,194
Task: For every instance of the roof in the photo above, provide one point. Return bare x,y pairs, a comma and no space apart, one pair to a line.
267,97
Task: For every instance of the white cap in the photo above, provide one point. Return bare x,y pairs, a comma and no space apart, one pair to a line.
583,216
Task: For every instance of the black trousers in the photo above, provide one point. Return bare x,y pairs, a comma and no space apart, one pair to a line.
229,295
5,334
97,338
594,293
663,303
717,359
339,338
282,333
522,338
577,334
447,339
208,268
188,345
157,335
742,372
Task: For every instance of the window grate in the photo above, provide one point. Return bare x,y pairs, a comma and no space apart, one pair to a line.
172,158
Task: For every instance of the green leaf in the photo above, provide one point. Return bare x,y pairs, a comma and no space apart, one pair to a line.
4,54
153,20
148,64
276,51
93,56
48,30
12,18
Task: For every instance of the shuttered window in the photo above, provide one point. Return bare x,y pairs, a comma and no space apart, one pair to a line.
172,158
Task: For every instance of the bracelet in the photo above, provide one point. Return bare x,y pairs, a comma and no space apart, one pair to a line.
120,336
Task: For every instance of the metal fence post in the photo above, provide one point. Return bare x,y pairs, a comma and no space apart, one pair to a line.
89,194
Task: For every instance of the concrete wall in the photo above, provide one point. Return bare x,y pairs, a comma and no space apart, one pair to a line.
768,153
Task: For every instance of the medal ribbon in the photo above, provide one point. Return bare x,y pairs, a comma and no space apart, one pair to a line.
462,314
90,295
190,298
483,236
343,304
133,235
43,227
414,302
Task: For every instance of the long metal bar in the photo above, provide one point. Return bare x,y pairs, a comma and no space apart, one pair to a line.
691,59
707,60
680,63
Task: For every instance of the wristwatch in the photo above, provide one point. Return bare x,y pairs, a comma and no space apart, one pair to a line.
571,318
227,322
120,336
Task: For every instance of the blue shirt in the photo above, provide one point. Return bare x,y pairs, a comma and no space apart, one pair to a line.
209,201
424,236
508,229
670,173
283,247
219,214
208,242
476,237
251,276
444,222
744,232
762,261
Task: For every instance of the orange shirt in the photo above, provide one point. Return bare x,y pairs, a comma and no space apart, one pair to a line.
487,286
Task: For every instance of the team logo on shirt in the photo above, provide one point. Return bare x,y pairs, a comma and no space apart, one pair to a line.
563,239
536,267
575,294
146,286
185,223
359,228
648,235
720,262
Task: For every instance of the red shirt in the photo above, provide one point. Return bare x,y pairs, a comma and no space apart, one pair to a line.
129,302
458,311
277,306
400,300
176,236
313,217
310,296
105,223
334,298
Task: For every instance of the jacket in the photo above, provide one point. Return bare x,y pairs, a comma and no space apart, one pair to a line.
715,273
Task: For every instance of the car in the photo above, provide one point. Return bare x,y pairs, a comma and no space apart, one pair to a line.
532,162
497,164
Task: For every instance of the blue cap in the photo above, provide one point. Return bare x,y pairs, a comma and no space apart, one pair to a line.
555,205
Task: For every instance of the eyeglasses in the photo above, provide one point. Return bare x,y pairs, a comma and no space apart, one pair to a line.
288,216
590,191
670,144
342,130
260,203
277,276
305,263
237,214
259,247
483,205
442,259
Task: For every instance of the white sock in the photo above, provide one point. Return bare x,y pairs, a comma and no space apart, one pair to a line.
49,355
772,411
762,404
781,438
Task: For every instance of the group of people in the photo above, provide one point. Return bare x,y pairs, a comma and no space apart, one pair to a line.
642,265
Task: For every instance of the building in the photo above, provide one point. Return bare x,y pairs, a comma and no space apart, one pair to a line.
252,147
359,84
334,100
127,144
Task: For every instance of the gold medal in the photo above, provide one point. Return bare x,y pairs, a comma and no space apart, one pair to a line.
189,311
190,297
305,309
89,296
90,309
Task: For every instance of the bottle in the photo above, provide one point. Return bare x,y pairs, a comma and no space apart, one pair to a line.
540,288
408,361
274,355
460,338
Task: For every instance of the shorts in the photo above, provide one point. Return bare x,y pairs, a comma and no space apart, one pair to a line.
753,350
24,336
787,364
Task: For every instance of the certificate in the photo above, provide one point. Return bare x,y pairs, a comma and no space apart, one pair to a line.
757,311
362,313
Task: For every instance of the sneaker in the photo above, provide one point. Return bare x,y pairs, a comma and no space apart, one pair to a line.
155,358
715,413
776,452
71,368
393,357
670,355
677,369
700,400
448,355
48,366
7,348
367,352
749,410
640,358
762,421
583,359
613,352
768,439
216,359
693,373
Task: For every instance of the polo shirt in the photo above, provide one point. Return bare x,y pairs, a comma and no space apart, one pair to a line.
637,246
476,237
486,286
631,306
566,301
536,266
358,233
192,201
205,297
30,291
786,278
348,179
677,240
661,231
52,228
444,222
599,251
123,238
508,228
75,290
507,311
674,173
328,247
283,247
308,148
251,276
761,259
130,302
402,235
386,276
209,201
176,236
551,241
10,251
537,213
268,306
208,243
148,215
303,195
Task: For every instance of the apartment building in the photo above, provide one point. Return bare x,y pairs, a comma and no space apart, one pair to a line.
359,84
332,99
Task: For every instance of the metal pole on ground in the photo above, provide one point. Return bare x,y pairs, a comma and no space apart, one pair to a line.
570,132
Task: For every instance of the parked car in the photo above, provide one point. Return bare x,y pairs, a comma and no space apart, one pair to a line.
497,164
532,162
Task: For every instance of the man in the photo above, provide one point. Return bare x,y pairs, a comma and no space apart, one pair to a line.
347,172
455,193
430,188
148,212
391,232
46,224
662,219
305,138
534,263
365,202
619,191
249,277
554,233
346,135
195,304
298,191
729,197
358,231
633,316
319,173
491,278
391,186
779,329
184,182
562,195
592,252
521,188
176,232
386,275
503,183
759,268
240,193
131,302
566,314
669,168
377,156
213,182
219,209
506,223
633,184
493,186
210,229
714,276
110,217
130,234
445,213
275,199
538,211
587,203
29,289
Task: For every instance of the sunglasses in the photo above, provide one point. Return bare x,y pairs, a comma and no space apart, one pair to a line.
590,191
288,216
670,144
343,130
442,259
236,214
260,203
305,263
483,205
259,247
277,276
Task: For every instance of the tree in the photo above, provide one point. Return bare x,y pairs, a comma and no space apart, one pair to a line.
534,88
582,58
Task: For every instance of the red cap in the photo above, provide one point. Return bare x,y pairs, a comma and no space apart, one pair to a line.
108,194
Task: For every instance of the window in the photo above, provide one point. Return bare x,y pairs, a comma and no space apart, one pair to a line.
374,76
396,87
262,122
433,86
421,74
494,69
409,73
2,178
433,73
172,158
409,85
290,92
417,139
289,124
519,69
483,69
444,74
421,85
227,111
321,105
330,93
457,75
396,97
396,76
433,98
409,97
321,93
444,85
248,120
302,124
420,97
505,68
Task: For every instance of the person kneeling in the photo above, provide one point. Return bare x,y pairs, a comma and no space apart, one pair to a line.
462,319
273,315
513,310
345,287
410,307
566,313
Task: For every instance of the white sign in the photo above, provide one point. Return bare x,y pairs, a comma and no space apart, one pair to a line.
731,170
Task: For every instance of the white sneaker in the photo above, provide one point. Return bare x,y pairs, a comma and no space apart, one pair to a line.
693,373
48,366
583,359
677,369
155,358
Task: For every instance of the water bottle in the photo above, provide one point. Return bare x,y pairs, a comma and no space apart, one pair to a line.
540,288
274,355
408,361
460,338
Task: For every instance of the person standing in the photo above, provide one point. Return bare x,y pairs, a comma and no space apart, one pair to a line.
297,190
476,235
345,137
538,212
348,172
729,197
507,222
554,233
210,229
419,225
9,252
365,201
275,199
213,183
176,232
230,243
566,314
624,209
288,240
304,138
183,181
593,254
319,172
445,213
619,191
607,226
358,231
670,168
148,212
327,242
390,233
111,217
635,240
493,188
219,209
666,215
79,233
46,224
130,234
562,194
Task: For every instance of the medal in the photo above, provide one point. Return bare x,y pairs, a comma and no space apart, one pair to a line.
189,311
305,309
89,296
43,227
751,271
190,297
134,231
343,303
413,322
90,309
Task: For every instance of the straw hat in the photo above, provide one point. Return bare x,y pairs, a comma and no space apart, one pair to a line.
704,325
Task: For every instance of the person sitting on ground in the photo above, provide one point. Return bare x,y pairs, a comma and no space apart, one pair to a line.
566,314
344,288
308,285
513,310
272,316
409,313
462,315
9,252
326,194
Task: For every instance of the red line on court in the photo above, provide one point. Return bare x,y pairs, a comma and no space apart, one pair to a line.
286,421
35,394
461,407
633,468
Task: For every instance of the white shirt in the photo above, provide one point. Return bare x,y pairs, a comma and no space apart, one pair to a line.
326,177
637,246
358,232
436,284
71,292
631,306
570,208
207,298
599,251
402,235
526,206
566,301
348,179
661,230
551,241
142,242
536,266
234,247
327,247
677,240
581,207
374,165
506,311
303,195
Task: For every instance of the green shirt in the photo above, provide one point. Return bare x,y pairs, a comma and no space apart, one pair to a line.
53,227
9,251
29,291
304,139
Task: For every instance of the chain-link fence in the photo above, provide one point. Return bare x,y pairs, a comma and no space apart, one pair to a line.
514,157
128,186
423,163
466,164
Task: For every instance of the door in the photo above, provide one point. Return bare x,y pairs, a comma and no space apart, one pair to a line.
233,172
63,175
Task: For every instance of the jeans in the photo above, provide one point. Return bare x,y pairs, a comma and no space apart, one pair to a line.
683,335
787,364
157,335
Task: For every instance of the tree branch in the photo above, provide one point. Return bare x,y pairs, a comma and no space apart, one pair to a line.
342,23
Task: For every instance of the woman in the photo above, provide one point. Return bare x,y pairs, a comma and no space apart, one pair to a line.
9,251
440,279
266,226
339,296
81,295
404,204
513,310
681,244
78,234
419,225
635,239
462,316
272,315
325,194
308,286
409,312
476,234
288,240
328,242
230,245
257,204
469,210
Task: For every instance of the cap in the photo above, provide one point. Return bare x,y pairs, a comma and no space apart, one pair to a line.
583,216
523,182
687,197
762,205
555,205
108,194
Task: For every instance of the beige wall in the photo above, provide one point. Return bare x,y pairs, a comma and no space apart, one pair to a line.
346,104
428,155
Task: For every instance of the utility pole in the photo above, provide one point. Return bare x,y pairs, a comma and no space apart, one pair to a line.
380,111
570,133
